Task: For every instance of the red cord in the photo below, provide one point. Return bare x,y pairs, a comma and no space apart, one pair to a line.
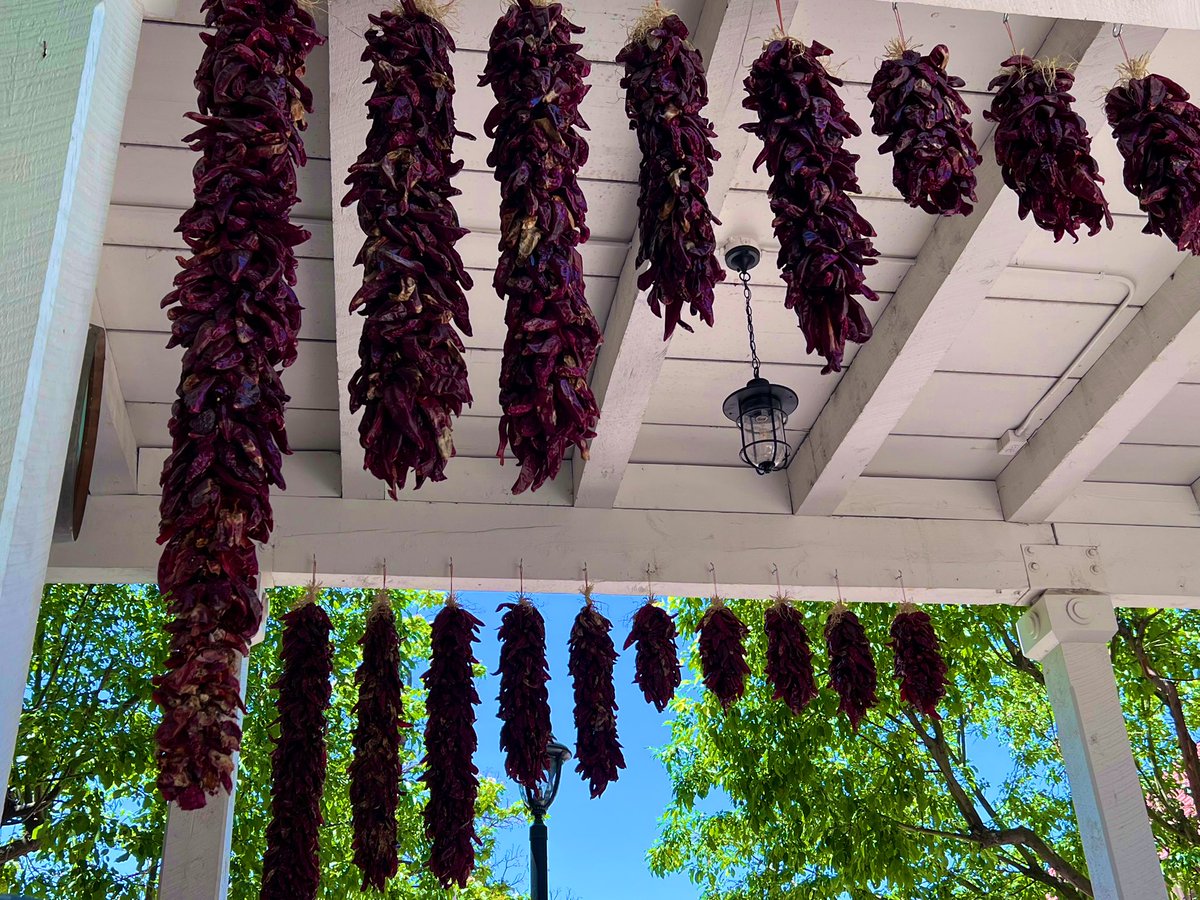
779,9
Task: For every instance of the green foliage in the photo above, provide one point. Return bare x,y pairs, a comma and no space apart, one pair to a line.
902,810
91,821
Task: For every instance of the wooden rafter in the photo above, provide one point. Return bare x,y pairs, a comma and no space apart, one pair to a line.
953,273
1162,14
729,34
1148,358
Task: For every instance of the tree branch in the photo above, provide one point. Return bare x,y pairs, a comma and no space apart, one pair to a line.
1168,693
14,850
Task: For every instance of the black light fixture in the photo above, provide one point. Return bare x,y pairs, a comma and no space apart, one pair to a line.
760,409
538,800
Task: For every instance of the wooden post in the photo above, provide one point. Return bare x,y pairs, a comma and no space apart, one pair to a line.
67,66
1069,634
197,843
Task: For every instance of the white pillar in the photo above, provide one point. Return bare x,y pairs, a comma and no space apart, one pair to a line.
197,843
66,67
1069,634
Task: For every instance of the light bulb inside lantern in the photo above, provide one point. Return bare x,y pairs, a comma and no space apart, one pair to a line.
762,431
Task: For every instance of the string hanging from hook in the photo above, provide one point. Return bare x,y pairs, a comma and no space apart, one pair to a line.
838,584
1116,32
779,12
716,595
587,586
903,592
1012,40
452,598
313,590
899,25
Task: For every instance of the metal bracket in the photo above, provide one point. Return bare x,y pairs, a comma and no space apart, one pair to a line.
1053,567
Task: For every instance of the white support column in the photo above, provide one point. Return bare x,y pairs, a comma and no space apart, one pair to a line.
66,67
1069,634
196,847
197,843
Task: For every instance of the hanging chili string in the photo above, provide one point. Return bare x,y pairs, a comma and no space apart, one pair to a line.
450,743
291,862
375,773
592,656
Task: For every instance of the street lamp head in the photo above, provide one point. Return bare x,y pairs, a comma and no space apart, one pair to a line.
539,799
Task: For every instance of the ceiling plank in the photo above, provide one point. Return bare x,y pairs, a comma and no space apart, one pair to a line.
954,273
728,36
1177,14
1145,363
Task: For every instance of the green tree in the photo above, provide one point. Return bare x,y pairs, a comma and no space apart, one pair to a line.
83,818
903,809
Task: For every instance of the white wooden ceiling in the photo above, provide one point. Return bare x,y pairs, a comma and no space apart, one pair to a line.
1010,362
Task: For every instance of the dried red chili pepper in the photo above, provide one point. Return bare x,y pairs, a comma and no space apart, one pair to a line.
656,663
524,699
666,90
536,74
291,863
450,743
592,656
375,772
918,108
236,315
412,378
824,242
723,653
918,662
789,657
1158,134
851,666
1044,149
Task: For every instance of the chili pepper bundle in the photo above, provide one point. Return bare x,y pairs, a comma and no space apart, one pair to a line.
917,106
412,378
1158,134
1044,149
723,653
291,863
536,73
824,242
789,668
666,90
656,662
375,771
524,699
917,659
592,656
235,314
851,666
450,743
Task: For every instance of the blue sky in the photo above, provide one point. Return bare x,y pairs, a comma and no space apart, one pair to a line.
597,848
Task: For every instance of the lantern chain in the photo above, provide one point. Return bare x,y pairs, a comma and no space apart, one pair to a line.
744,275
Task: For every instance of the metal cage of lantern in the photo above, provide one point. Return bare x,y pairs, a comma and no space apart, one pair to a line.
760,409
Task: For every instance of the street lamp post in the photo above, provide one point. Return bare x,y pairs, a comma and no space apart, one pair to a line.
538,800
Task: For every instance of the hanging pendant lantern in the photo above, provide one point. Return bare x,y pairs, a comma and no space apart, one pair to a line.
760,409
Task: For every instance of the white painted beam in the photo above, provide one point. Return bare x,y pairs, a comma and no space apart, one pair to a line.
953,274
1155,13
1148,358
348,126
1069,634
67,66
728,36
